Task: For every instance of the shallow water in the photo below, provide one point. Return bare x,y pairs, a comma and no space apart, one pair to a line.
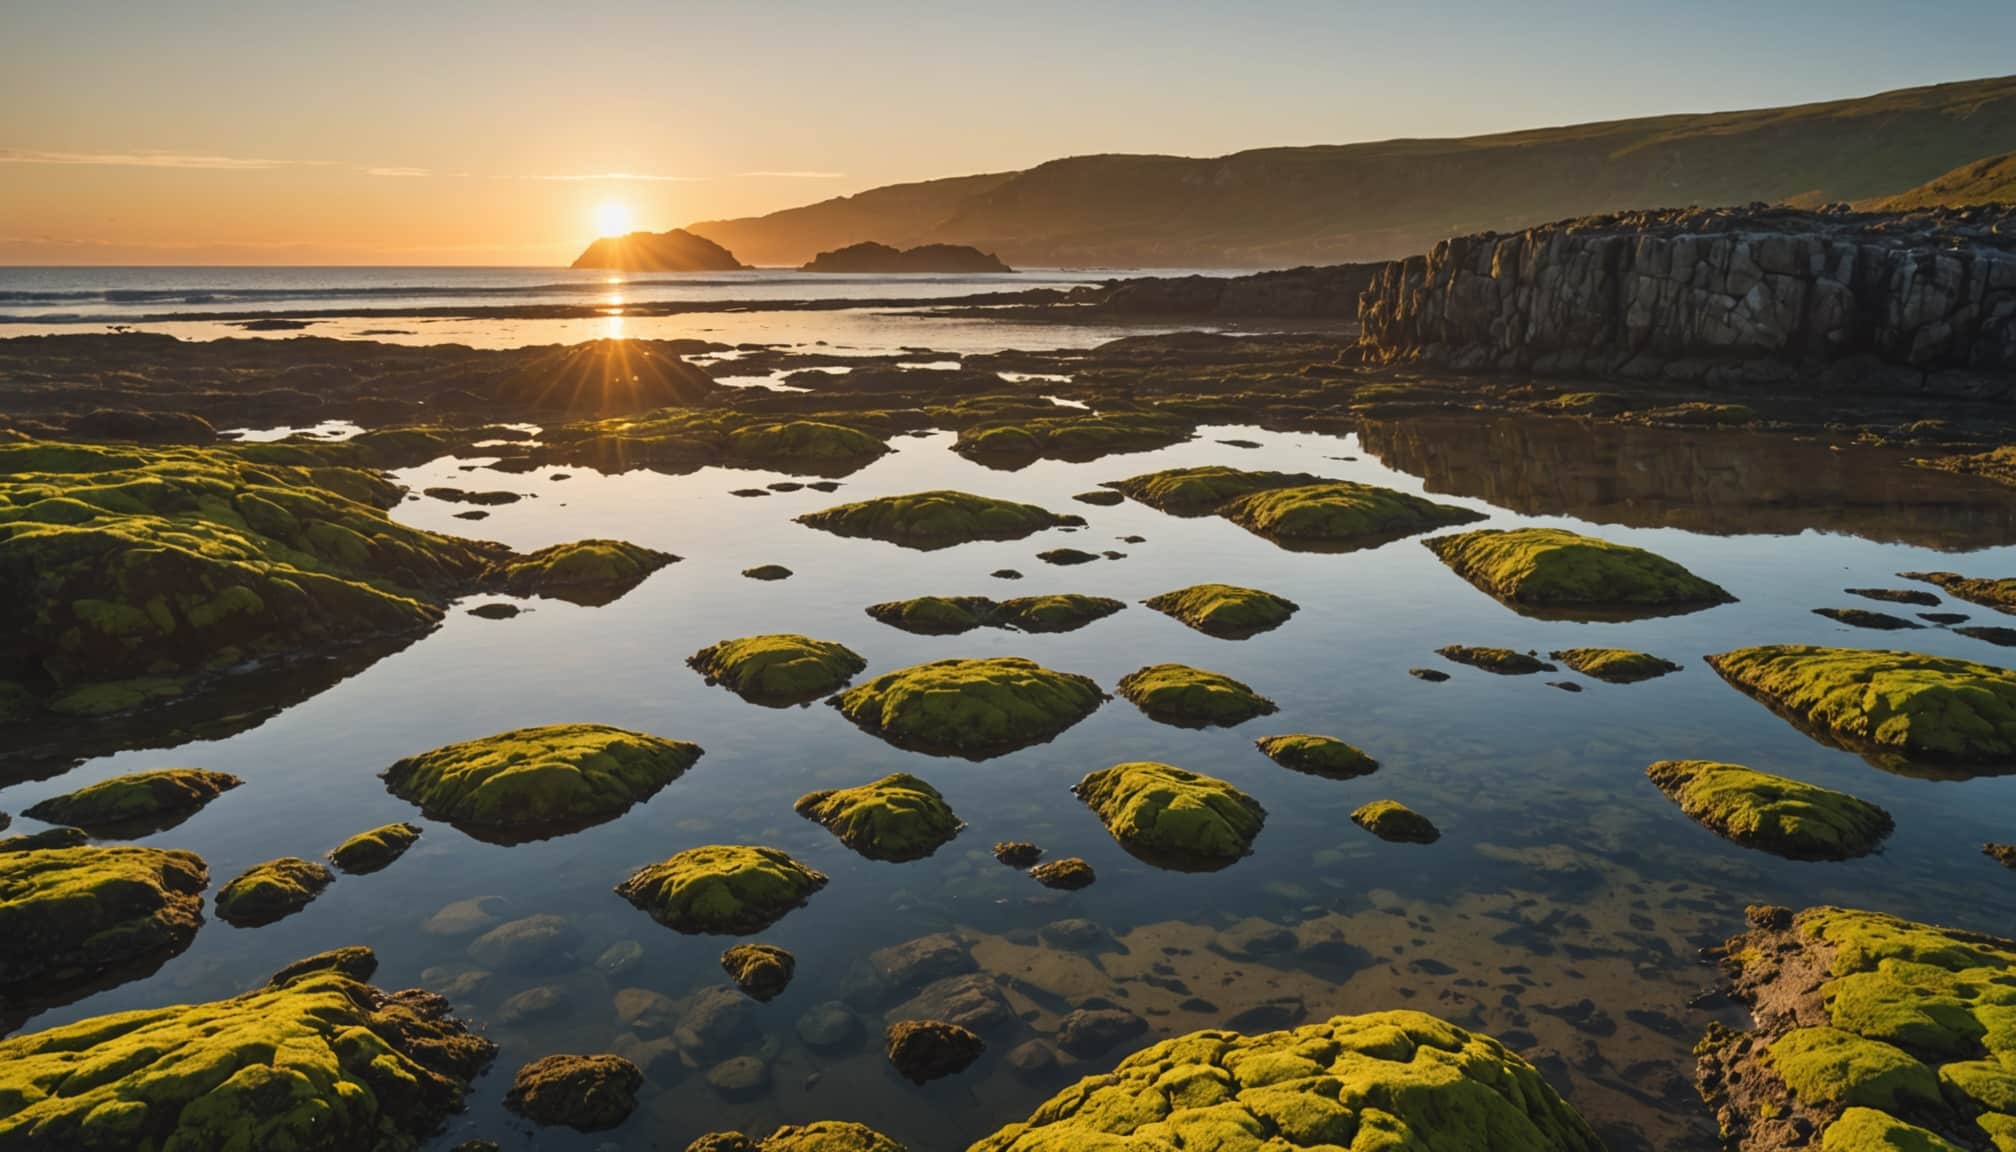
1562,909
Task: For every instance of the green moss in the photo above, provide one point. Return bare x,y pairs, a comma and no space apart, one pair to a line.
1997,594
1193,697
1078,437
375,850
939,519
126,807
1867,1130
972,707
1201,491
778,669
270,891
898,817
1757,810
1058,612
1164,812
531,783
1394,821
1380,1081
115,696
68,914
1905,707
1865,618
586,1093
1340,515
1551,571
952,615
1614,665
1830,1066
1324,756
1503,661
760,970
804,440
725,889
1067,874
935,615
322,1064
586,572
1224,610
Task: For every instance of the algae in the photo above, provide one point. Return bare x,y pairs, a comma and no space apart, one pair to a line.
1614,665
732,890
140,804
896,818
1312,755
1068,873
1202,490
1226,611
586,1093
375,850
1165,814
70,912
1551,572
271,891
1758,810
975,708
778,670
1502,661
1192,697
590,573
1340,515
1997,594
760,970
1393,821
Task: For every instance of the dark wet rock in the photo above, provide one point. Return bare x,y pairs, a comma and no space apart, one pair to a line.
768,572
1017,853
760,970
975,708
375,850
1226,611
971,1001
1897,596
1068,873
939,519
1551,572
1324,756
1165,812
270,891
952,615
1112,555
1997,594
1614,665
1193,697
1945,617
531,945
586,572
1066,556
2000,637
128,807
465,917
1864,618
1133,539
784,486
829,1027
1431,675
495,610
898,971
1503,661
778,669
586,1093
1236,443
896,818
462,496
720,888
70,914
1565,685
1005,574
749,492
1090,1032
926,1050
1393,821
1101,497
824,485
1779,815
531,1004
472,514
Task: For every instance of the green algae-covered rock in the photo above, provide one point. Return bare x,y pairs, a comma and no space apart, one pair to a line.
531,783
68,914
1226,611
818,1136
1081,437
1165,813
143,803
1874,1032
375,850
270,891
1997,594
1340,515
1907,711
1394,821
1502,661
1201,491
813,442
726,889
780,669
898,817
586,1093
1057,612
952,615
935,615
1383,1080
974,708
585,572
321,1063
1553,572
1758,810
1068,874
1614,665
1192,697
938,519
1324,756
760,970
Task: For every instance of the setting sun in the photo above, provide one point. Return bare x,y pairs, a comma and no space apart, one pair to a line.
612,218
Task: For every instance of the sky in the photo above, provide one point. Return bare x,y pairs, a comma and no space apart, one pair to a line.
420,132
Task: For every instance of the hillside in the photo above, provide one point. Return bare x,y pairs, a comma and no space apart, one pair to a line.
1338,203
674,251
873,258
1990,181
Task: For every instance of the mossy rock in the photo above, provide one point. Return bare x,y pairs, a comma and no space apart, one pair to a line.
532,783
1867,618
725,889
321,1063
935,615
586,1093
1193,697
768,572
63,837
1203,490
2003,854
953,615
586,572
1393,821
760,970
70,914
1100,497
1324,756
1384,1080
1759,810
271,891
1167,815
143,803
1905,711
1552,572
976,708
1057,612
1066,557
818,1136
815,442
898,817
937,519
1226,611
927,1050
1501,661
780,669
1340,515
1614,665
1067,874
375,850
1997,594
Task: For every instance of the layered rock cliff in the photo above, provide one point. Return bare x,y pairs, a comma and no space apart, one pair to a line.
1758,296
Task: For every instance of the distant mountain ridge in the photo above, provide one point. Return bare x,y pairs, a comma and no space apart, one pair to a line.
1989,181
1340,203
674,251
870,257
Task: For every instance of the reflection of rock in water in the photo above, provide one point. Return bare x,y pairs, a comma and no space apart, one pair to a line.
1718,482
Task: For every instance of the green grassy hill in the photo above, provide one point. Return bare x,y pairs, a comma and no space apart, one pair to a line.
1335,203
1990,181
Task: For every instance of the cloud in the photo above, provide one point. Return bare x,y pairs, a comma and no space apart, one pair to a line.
145,159
636,176
800,175
398,172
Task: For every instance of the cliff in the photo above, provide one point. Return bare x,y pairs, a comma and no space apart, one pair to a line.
674,251
1892,302
873,258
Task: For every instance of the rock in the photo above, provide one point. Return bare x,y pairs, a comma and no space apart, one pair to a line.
1393,821
975,708
586,572
465,917
1192,697
461,496
1005,574
355,961
926,1050
1254,938
1068,873
619,958
70,914
1226,611
1101,497
768,572
1757,810
892,973
532,1003
454,983
532,783
1564,685
646,1011
952,615
2000,637
1076,437
1204,490
531,945
829,1027
1339,515
1075,934
675,251
1165,813
1503,661
1324,756
128,807
784,486
586,1093
495,610
779,669
1431,675
1614,665
1017,853
714,1023
760,970
1066,556
818,1136
896,818
1864,618
46,839
1269,1015
725,889
270,891
375,850
1944,617
1032,1060
749,493
1091,1032
1997,594
940,519
740,1078
2003,854
1896,596
971,1001
880,259
1551,572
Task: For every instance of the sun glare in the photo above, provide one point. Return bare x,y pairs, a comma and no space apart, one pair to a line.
612,218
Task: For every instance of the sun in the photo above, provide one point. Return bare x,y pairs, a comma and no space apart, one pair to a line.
612,218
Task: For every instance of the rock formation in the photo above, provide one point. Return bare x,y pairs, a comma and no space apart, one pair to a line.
870,257
674,251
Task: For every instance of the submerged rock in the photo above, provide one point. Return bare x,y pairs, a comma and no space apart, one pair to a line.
1203,490
128,807
1553,572
726,889
1614,665
1758,810
1164,812
938,519
372,851
779,669
1864,618
1226,611
768,572
760,970
740,1078
531,1004
1340,515
926,1050
1068,873
271,891
1393,821
1090,1032
1503,661
530,944
586,1093
1324,756
69,914
1997,594
1017,853
952,615
1192,697
829,1027
898,817
975,708
531,783
586,572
